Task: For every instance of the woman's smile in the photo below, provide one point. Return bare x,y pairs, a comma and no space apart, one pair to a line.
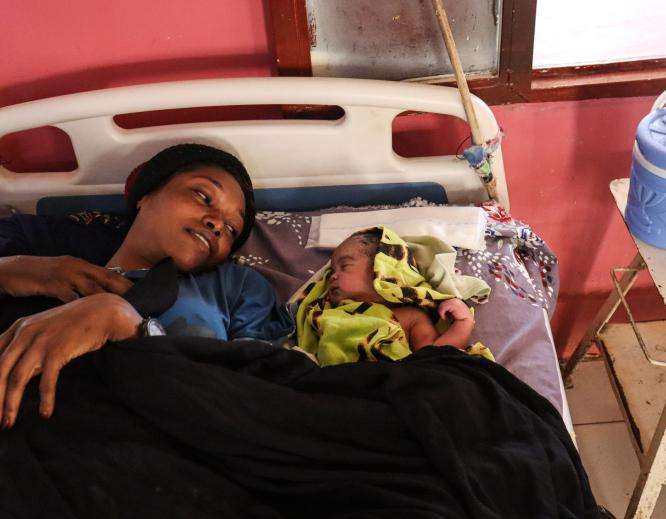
202,240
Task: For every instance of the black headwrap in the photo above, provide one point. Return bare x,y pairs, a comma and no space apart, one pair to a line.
176,159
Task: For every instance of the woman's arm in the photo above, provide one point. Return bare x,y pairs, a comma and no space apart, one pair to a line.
63,277
36,258
45,342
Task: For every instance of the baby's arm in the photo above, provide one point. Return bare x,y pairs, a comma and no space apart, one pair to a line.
460,330
421,332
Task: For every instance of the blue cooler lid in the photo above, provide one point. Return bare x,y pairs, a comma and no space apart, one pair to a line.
651,137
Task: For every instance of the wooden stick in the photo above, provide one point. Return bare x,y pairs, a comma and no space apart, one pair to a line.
461,80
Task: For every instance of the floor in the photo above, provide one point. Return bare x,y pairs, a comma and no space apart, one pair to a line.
603,439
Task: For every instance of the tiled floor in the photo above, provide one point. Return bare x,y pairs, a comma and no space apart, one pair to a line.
603,440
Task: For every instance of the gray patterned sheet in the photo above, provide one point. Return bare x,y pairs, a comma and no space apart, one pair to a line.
517,264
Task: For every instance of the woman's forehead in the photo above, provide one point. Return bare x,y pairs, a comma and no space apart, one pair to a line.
218,177
215,173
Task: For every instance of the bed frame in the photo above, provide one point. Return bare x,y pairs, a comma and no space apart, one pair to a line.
356,149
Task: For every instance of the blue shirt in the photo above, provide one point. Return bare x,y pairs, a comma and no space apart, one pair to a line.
229,302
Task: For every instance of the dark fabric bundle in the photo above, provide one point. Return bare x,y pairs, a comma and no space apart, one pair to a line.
183,427
183,157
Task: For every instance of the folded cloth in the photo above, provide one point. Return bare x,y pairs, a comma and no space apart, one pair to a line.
436,260
353,330
462,227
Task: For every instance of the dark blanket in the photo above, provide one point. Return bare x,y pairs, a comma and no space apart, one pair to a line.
182,427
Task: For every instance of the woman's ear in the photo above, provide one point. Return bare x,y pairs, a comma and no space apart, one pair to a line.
144,200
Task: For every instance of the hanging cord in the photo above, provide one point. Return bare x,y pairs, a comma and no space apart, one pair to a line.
482,168
458,155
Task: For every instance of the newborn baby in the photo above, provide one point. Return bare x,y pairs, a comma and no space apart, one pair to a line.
352,277
373,303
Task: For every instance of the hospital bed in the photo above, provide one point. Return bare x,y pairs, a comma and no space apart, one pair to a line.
303,167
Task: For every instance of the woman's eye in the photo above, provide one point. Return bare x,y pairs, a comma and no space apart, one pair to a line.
231,230
203,196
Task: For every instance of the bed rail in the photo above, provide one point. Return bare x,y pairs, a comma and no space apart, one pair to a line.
278,153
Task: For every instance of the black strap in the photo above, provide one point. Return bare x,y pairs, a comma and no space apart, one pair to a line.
157,291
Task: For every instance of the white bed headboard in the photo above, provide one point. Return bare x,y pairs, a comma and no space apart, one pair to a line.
356,149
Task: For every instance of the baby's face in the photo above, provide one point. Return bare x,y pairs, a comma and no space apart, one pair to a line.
352,273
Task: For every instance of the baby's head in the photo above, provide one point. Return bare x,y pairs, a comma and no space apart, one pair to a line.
352,268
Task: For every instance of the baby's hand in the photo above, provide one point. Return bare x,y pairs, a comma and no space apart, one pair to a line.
460,330
455,308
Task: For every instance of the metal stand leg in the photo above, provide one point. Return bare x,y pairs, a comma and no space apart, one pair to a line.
604,314
632,321
652,477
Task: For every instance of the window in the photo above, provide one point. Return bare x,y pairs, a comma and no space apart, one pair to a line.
570,32
550,50
398,39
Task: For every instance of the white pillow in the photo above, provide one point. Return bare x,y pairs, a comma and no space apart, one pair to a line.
462,227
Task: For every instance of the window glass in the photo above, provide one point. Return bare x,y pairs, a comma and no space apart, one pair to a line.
588,32
395,39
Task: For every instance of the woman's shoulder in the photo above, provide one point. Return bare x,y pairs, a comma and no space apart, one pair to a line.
237,283
28,234
231,277
230,268
88,237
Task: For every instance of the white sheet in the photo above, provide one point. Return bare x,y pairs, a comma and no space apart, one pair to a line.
462,227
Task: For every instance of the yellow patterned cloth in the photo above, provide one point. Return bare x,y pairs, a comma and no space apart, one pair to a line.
348,332
397,277
352,330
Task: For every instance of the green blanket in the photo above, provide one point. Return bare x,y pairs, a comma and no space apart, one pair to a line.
354,330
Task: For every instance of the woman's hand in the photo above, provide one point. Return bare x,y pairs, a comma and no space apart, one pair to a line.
63,277
45,342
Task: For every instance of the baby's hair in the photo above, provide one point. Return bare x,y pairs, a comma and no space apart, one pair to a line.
369,239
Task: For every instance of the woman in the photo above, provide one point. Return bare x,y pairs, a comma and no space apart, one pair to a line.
191,203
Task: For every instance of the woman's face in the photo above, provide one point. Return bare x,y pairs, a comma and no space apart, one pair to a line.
194,218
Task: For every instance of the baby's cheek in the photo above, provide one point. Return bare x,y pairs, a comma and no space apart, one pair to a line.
346,285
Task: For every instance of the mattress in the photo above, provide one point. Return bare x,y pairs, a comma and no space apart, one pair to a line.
517,264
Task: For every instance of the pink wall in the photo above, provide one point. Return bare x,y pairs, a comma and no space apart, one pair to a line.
559,157
52,48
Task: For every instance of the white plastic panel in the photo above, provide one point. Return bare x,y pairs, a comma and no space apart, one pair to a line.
283,153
